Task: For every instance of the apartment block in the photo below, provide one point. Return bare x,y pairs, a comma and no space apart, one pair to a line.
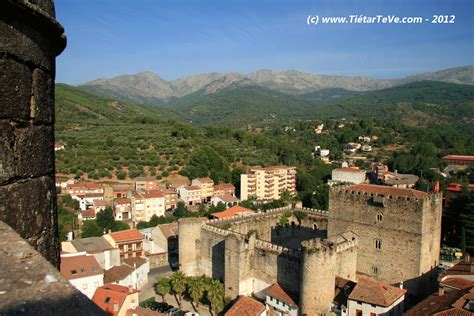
267,183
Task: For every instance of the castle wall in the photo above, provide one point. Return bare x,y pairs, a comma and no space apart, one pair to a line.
189,246
407,228
30,40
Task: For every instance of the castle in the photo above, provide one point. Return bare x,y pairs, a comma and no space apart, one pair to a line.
387,233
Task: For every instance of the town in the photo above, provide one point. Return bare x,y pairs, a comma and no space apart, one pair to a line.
272,255
224,159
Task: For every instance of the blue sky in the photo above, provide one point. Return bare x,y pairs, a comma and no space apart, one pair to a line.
177,38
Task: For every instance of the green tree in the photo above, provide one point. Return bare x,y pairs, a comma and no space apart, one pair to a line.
91,229
215,295
178,284
105,219
196,288
163,287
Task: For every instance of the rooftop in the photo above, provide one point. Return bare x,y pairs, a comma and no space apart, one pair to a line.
277,292
91,244
123,201
117,273
460,268
245,306
457,283
85,185
32,286
441,304
145,179
126,235
192,188
350,169
458,157
233,211
224,186
153,194
169,230
375,292
227,198
385,190
205,180
75,266
108,295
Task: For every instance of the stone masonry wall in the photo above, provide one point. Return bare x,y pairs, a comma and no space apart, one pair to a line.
400,231
30,39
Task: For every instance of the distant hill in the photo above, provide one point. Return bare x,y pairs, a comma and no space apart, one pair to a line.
76,106
417,103
149,88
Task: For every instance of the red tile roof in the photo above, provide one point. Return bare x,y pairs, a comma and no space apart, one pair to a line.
375,292
386,190
457,283
169,230
126,235
234,210
454,312
205,180
350,169
153,194
60,180
192,188
108,295
458,157
224,186
100,203
277,292
85,185
79,266
123,201
246,306
117,273
460,268
436,303
89,213
141,311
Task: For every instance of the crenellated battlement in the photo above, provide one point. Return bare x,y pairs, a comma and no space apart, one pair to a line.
265,245
338,243
216,230
385,192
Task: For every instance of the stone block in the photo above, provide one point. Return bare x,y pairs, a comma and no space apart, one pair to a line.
42,102
15,90
29,208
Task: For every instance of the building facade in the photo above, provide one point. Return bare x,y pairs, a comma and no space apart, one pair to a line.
207,188
394,225
267,183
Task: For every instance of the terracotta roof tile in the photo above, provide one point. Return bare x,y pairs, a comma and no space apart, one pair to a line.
169,230
224,186
141,311
277,292
458,157
375,292
79,266
454,312
89,213
245,306
460,268
123,201
192,188
435,303
234,210
350,169
457,283
117,273
126,235
385,190
205,180
153,194
108,295
85,185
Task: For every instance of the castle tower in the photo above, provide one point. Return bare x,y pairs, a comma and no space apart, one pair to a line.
399,232
189,235
322,261
30,40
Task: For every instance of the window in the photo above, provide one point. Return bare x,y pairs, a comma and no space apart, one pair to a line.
83,270
375,270
379,217
73,272
358,312
107,300
378,244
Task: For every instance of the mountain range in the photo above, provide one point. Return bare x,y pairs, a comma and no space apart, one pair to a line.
149,88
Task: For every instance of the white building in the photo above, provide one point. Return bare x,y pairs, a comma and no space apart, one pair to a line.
279,302
371,297
123,209
191,195
227,200
324,152
82,271
133,273
347,175
106,255
145,205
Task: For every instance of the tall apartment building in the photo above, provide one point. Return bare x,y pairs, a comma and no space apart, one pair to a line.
145,205
207,188
267,183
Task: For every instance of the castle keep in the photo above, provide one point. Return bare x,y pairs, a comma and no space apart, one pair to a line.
390,234
399,231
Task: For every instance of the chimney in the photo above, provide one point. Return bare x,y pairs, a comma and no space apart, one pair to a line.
110,231
441,291
401,285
